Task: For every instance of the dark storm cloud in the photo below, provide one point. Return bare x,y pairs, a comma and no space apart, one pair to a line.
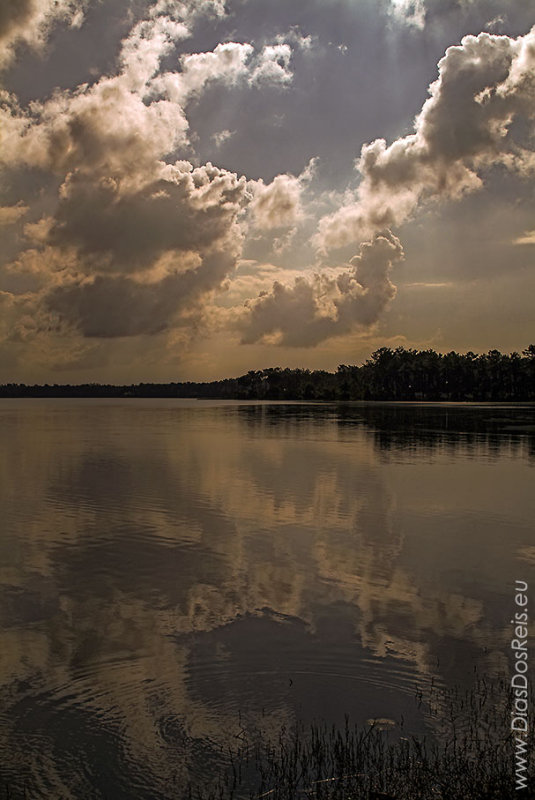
111,306
187,210
123,208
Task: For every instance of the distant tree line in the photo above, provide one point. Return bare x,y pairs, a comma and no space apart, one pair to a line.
389,374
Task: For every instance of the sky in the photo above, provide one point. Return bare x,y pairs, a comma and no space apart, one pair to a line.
192,189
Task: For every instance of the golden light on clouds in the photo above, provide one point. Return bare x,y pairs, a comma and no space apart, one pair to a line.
126,199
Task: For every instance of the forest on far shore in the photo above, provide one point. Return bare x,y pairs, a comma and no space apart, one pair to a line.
389,374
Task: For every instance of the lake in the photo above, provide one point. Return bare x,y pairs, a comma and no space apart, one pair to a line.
174,572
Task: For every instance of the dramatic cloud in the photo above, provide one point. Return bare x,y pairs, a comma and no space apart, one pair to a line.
466,126
316,308
125,208
122,124
177,238
185,210
105,306
137,238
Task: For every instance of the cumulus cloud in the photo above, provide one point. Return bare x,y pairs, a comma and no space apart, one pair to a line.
467,125
133,239
138,239
148,42
185,209
28,22
106,128
229,61
124,123
159,250
107,306
277,204
273,65
317,308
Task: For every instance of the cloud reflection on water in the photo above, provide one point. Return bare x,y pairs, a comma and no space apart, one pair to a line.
170,565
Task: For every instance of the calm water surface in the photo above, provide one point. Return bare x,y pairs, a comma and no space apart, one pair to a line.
174,571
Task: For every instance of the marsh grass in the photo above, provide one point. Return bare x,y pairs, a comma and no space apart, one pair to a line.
467,754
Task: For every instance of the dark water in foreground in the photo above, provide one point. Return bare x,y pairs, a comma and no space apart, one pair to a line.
172,572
